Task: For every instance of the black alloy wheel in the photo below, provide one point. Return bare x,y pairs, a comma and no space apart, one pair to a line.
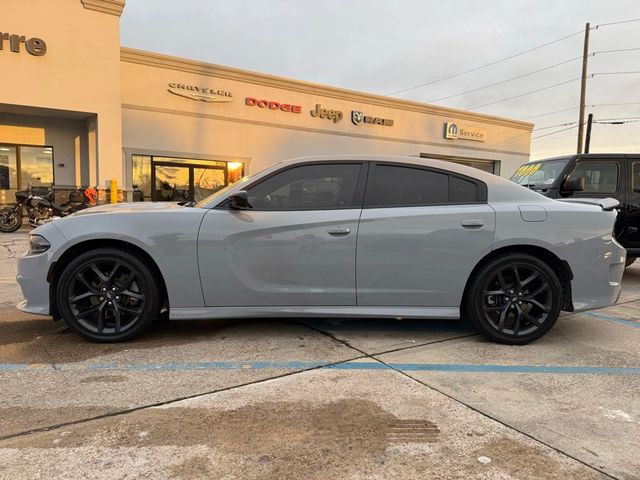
108,295
514,299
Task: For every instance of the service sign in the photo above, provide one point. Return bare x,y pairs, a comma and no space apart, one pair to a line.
457,131
201,94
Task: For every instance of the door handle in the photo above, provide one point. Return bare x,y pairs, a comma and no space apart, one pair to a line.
471,223
337,231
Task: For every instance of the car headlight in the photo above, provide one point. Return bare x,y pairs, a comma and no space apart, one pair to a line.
38,244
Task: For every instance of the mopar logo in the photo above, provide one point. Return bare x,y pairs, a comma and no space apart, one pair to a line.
450,130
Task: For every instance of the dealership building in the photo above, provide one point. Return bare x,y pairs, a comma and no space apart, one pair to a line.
77,109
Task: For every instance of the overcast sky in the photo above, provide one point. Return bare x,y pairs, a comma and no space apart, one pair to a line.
386,46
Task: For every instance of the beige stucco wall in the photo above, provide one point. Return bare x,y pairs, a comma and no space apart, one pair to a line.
157,120
80,71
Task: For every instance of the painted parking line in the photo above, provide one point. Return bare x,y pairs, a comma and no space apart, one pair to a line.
609,318
303,365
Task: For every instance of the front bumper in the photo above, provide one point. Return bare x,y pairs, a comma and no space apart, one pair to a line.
32,274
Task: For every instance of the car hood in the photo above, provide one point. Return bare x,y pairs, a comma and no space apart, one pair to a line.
138,207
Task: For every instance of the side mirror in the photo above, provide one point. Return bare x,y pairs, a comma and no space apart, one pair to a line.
573,184
239,200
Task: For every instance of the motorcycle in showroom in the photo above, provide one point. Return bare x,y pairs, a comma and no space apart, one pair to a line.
40,207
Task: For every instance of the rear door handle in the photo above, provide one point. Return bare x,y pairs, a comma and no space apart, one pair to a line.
337,231
471,223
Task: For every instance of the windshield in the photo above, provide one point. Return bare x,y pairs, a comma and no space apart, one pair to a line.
539,173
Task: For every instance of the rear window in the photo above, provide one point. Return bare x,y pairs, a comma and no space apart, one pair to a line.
405,186
395,186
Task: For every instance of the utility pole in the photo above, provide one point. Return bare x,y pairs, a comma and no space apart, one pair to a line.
583,85
587,140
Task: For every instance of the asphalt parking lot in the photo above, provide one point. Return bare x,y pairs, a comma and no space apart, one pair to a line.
319,399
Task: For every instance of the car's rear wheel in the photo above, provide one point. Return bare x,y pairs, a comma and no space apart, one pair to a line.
108,295
514,299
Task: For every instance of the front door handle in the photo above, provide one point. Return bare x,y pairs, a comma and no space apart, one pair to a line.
337,231
471,223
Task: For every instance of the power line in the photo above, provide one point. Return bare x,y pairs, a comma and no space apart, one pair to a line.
550,86
615,23
615,123
553,133
554,126
596,105
615,51
505,81
538,71
620,118
500,60
526,93
614,73
549,113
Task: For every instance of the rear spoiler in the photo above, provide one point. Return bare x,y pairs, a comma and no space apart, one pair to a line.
607,204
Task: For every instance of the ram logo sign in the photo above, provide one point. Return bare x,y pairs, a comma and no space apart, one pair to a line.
456,131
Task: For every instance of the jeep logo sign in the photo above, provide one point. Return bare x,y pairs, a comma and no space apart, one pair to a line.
35,46
334,115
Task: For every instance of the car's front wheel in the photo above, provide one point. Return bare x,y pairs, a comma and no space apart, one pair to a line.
108,295
514,299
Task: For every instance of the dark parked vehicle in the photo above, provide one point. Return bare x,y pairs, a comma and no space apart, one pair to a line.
593,176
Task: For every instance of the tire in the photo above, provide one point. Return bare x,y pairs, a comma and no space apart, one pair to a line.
108,295
10,221
514,299
630,261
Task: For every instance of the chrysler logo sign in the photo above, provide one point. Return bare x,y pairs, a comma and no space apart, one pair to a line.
200,94
359,118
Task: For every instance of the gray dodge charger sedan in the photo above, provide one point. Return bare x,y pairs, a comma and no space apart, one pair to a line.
348,236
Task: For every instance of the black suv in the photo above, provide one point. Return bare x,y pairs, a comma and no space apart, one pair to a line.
598,175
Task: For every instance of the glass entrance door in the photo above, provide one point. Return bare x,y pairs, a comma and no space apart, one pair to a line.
207,181
171,183
178,181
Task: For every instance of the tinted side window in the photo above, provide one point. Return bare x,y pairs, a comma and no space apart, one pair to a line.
396,186
463,191
635,175
600,177
307,187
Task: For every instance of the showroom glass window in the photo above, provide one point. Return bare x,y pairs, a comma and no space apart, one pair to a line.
397,186
22,165
8,167
307,187
600,177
